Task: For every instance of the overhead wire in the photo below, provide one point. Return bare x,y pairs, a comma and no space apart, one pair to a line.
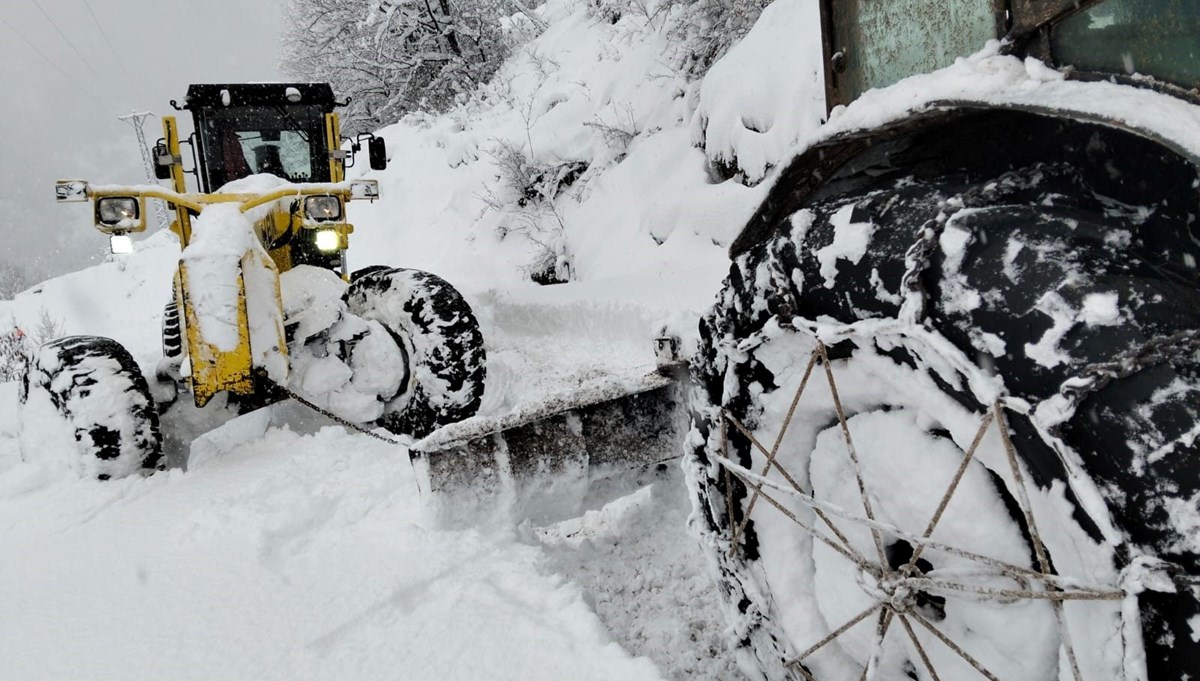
103,34
84,90
62,35
107,41
137,83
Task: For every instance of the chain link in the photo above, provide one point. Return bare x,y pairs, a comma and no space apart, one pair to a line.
334,417
919,256
1159,350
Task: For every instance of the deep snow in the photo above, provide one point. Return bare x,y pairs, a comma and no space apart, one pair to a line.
292,556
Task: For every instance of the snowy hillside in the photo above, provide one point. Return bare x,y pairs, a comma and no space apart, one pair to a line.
290,548
589,155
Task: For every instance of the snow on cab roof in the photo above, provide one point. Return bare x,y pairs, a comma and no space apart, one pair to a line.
250,94
991,79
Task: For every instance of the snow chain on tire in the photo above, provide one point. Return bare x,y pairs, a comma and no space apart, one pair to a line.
1037,275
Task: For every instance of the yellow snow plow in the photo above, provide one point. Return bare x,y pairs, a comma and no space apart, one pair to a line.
218,367
244,131
263,304
264,308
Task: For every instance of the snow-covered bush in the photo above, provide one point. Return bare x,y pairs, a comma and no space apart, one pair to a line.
703,29
391,57
710,27
527,204
764,95
14,354
759,83
17,345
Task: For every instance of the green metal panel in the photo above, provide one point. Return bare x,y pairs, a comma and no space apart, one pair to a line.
874,43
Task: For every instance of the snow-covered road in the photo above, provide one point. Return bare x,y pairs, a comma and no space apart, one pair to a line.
305,555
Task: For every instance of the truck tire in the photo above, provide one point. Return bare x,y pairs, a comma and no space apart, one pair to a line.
438,331
85,405
1026,289
365,271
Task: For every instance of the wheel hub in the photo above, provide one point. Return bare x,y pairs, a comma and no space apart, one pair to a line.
893,590
898,595
900,591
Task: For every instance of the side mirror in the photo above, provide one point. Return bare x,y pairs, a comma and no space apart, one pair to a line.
162,161
377,150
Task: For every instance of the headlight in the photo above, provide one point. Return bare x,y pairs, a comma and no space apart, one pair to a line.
328,240
120,244
323,208
112,211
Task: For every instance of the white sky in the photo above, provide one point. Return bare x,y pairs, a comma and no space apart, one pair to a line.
58,110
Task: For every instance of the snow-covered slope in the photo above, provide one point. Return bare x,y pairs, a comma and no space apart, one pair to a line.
291,548
601,100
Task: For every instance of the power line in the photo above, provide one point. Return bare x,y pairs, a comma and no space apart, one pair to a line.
68,40
51,62
103,34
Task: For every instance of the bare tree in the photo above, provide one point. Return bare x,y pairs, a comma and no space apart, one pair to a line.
13,280
700,30
17,345
391,57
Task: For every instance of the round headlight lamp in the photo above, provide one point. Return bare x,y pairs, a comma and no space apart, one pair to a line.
328,240
120,244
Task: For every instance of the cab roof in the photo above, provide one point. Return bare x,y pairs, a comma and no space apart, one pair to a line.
257,94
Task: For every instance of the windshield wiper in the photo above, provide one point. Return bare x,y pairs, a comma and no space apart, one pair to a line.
296,127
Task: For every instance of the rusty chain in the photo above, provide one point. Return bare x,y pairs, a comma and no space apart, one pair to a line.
334,417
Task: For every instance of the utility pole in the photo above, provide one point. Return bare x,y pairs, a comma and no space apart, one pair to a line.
136,119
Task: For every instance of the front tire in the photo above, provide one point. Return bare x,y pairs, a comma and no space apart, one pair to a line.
85,405
447,362
940,294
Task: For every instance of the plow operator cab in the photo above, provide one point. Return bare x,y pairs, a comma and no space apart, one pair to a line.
286,131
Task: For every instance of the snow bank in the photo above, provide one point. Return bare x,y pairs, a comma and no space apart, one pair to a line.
475,195
767,92
121,299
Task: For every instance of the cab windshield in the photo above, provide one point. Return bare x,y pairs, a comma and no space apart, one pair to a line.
283,141
1158,38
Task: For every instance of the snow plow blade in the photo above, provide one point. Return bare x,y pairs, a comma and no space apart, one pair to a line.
556,458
